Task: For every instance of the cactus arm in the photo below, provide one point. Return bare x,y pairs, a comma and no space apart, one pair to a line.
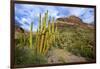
45,42
30,40
41,44
40,24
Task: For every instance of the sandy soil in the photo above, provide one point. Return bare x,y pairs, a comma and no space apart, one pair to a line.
62,56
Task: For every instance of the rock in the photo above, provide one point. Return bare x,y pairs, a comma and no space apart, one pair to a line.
70,19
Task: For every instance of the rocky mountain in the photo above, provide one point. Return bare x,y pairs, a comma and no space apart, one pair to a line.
18,28
72,21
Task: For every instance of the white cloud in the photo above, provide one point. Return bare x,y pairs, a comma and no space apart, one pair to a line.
28,13
77,11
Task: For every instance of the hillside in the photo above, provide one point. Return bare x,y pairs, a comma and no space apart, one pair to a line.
75,42
76,37
73,21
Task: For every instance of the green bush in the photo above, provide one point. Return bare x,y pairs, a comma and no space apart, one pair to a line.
25,55
78,40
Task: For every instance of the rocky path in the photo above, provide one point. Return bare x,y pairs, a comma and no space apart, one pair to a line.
62,56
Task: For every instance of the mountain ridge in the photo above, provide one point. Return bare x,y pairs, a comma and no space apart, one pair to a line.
73,21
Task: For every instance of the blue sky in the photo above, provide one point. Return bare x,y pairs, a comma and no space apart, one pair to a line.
25,14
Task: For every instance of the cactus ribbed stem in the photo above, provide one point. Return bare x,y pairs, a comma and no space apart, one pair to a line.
45,42
40,24
30,40
41,44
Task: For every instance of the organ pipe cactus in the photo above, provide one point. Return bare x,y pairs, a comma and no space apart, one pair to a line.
45,34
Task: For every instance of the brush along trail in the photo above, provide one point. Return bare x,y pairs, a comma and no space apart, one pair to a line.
61,56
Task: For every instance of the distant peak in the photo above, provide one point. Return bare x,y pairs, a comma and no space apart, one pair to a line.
71,19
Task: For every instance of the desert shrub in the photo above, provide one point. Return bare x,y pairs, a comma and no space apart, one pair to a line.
25,55
22,39
78,40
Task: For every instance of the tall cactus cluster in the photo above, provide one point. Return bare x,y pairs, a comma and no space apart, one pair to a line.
45,35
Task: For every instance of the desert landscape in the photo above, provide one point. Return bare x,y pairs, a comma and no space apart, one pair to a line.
62,40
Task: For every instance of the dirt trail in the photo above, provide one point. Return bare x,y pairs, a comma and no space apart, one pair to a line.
62,56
